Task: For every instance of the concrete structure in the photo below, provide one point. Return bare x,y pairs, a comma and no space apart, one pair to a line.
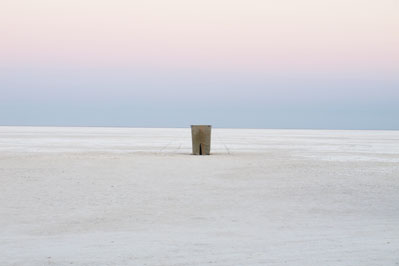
201,137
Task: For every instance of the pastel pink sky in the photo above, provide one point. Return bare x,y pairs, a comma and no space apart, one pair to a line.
254,34
257,63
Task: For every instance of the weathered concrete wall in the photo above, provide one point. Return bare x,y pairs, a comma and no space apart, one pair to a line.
201,137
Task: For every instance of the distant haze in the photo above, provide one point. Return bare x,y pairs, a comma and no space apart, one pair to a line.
330,64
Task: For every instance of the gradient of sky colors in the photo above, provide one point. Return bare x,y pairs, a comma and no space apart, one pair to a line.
263,64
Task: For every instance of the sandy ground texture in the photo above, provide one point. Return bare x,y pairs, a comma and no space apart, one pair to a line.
124,196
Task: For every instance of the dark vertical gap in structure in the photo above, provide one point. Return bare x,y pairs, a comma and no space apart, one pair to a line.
200,149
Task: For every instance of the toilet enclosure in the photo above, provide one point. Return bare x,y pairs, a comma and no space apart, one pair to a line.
201,138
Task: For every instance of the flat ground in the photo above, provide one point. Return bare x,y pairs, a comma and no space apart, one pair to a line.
120,196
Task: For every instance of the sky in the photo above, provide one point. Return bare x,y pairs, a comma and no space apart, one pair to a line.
319,64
